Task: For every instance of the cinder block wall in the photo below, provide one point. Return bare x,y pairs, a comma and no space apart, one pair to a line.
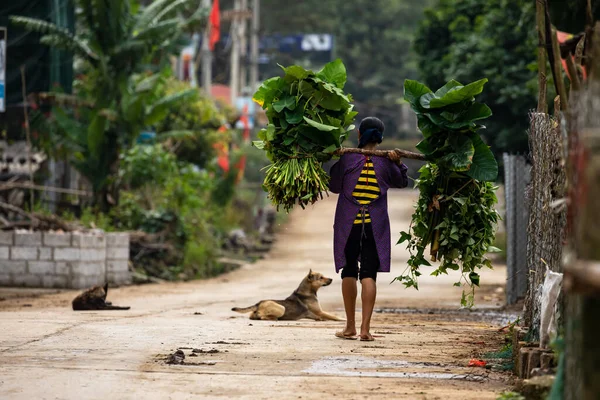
63,260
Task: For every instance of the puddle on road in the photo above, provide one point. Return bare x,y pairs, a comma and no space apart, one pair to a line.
370,367
501,318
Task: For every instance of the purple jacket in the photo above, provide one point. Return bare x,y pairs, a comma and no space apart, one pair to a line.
344,176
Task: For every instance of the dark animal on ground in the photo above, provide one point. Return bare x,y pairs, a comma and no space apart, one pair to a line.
94,299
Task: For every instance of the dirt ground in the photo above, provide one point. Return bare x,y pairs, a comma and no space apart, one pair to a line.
422,350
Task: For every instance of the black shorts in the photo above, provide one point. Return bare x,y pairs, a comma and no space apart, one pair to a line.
369,260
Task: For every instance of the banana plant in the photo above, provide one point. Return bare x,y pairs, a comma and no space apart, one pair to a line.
115,40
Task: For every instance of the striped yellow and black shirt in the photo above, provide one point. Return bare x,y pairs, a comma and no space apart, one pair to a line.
366,190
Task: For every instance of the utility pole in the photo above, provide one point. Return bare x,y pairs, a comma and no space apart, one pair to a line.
206,55
243,49
254,45
235,55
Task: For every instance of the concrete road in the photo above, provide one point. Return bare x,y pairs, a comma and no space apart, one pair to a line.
422,350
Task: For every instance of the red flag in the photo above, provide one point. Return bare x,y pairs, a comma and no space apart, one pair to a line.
215,25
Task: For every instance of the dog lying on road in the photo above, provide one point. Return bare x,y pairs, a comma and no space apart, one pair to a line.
303,303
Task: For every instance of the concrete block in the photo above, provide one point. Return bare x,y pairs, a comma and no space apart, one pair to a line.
117,253
7,238
13,267
84,282
5,280
117,239
89,254
23,253
533,361
54,281
88,269
25,238
117,266
45,253
4,252
118,278
27,280
62,268
66,254
41,267
57,239
547,360
88,240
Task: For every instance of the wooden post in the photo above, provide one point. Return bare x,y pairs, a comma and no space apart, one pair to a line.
558,75
541,55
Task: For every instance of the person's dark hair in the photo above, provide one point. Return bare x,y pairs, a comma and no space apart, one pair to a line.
371,131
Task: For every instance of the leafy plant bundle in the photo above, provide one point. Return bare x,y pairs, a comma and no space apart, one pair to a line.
455,213
309,117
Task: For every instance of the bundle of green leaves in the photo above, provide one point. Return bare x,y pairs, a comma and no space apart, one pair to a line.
309,117
455,213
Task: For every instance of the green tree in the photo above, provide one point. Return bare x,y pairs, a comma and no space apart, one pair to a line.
469,40
113,43
372,37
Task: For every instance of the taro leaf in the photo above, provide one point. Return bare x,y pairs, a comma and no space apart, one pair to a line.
426,126
268,91
475,112
413,91
259,144
484,167
270,132
288,102
334,73
318,137
330,101
454,96
320,126
425,147
307,89
296,72
461,157
295,116
452,84
330,149
474,277
262,134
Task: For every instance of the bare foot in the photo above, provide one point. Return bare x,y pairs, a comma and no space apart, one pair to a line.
366,337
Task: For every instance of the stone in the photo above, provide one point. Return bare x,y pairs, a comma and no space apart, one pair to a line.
25,238
41,267
45,253
88,254
5,280
4,252
23,253
66,254
120,253
88,269
84,282
118,278
533,361
55,239
88,240
117,239
62,268
13,267
547,360
54,281
117,266
27,280
7,238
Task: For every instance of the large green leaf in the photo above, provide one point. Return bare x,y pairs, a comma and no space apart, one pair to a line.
452,84
484,167
454,95
295,116
96,131
461,157
288,102
334,73
269,89
426,126
413,91
320,126
296,72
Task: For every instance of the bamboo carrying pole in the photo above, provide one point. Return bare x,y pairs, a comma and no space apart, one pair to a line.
381,153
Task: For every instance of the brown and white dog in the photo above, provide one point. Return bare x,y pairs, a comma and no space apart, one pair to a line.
302,303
